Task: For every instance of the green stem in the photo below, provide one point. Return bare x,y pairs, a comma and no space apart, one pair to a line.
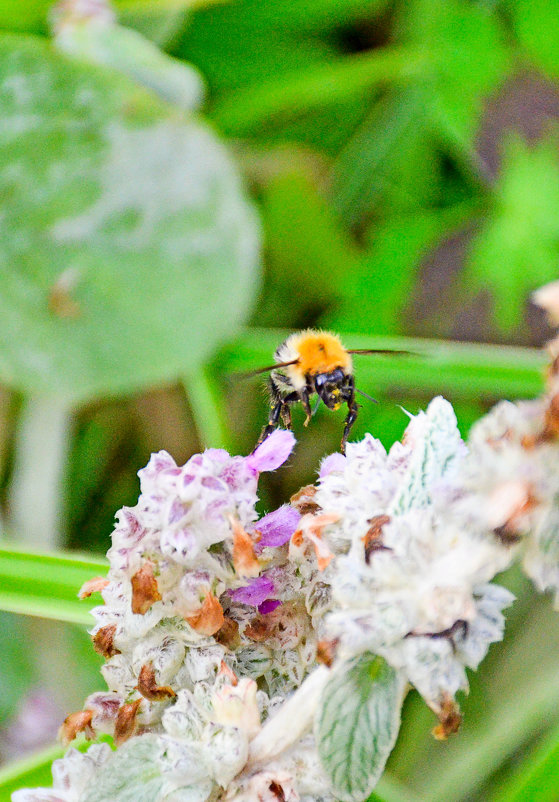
207,409
41,452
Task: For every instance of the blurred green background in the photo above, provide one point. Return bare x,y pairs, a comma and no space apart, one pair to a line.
387,170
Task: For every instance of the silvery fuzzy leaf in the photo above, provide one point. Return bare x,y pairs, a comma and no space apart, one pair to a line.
431,666
541,559
436,449
71,775
488,625
357,724
132,774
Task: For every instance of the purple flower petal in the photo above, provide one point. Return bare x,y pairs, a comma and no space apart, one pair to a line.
268,606
272,452
217,455
333,462
257,591
277,527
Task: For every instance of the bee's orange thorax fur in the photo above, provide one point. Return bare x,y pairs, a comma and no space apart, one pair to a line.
321,352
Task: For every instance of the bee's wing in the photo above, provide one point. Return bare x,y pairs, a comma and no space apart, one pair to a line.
276,365
380,351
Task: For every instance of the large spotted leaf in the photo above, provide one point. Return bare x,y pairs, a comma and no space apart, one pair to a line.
127,248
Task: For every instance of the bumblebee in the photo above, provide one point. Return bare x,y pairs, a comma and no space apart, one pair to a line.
310,362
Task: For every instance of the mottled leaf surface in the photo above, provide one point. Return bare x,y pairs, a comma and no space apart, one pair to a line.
127,248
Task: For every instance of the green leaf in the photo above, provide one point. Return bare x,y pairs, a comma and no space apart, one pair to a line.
535,25
115,232
375,300
358,724
389,163
305,243
225,47
295,17
46,585
518,248
468,60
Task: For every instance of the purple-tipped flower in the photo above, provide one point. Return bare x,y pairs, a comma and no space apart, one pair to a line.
272,452
268,606
277,527
256,592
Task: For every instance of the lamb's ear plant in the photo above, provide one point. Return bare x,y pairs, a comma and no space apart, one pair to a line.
267,657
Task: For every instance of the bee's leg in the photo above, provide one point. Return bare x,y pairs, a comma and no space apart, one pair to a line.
303,397
276,408
286,414
352,410
287,400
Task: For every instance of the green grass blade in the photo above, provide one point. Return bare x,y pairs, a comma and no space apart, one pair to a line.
459,370
497,739
241,111
391,790
46,585
537,777
30,772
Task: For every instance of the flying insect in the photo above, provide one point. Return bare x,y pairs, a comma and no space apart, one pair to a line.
310,362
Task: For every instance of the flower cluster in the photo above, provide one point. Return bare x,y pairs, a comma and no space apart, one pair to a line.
215,620
405,572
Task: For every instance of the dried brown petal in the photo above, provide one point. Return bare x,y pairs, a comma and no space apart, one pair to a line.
303,500
103,641
283,628
228,634
507,506
551,418
258,629
149,688
209,619
74,724
225,671
310,527
372,539
449,718
126,723
326,651
244,558
550,430
144,589
277,790
94,585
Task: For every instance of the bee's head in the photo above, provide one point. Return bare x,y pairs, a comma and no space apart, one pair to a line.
329,387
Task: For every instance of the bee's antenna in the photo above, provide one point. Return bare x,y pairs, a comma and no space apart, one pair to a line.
370,397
